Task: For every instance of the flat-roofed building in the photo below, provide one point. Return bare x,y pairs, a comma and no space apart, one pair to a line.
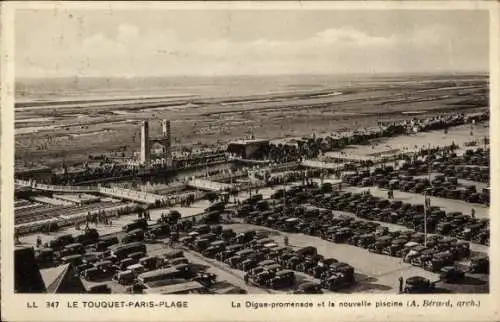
249,149
38,173
181,288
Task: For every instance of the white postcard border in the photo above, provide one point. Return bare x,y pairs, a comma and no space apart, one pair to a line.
218,308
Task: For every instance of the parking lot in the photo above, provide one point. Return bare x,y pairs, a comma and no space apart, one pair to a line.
415,198
375,273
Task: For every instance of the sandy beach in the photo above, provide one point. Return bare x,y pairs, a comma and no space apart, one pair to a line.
206,120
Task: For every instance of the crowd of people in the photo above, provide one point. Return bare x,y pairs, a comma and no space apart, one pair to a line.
312,147
113,169
307,147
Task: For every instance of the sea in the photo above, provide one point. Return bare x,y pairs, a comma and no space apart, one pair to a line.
113,88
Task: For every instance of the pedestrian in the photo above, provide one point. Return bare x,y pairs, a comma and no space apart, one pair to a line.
285,240
400,284
168,241
38,241
246,278
473,213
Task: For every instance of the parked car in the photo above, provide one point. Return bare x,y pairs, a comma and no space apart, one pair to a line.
450,274
308,288
480,265
418,284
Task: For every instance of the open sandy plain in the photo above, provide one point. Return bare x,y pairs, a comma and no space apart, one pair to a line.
49,132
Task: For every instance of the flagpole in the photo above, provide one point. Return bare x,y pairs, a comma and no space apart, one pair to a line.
425,219
429,161
284,187
425,196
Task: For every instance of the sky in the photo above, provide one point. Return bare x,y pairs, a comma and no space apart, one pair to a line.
107,43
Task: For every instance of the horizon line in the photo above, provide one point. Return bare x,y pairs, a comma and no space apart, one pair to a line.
482,73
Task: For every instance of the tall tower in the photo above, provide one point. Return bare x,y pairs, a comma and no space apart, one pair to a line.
145,148
167,142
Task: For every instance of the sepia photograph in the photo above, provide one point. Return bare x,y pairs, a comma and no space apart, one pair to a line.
251,152
313,152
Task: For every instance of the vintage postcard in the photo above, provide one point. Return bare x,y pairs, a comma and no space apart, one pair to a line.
222,161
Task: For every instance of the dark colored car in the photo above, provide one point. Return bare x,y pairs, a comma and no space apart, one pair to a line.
418,284
450,274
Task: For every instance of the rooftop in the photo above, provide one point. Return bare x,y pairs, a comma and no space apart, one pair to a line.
175,288
52,277
249,141
30,169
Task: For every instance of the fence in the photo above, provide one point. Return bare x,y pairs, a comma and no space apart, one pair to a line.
55,188
63,221
134,195
208,185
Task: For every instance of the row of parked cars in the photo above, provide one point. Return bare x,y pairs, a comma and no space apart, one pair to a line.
440,251
475,157
266,263
249,251
473,165
472,157
466,172
440,186
120,257
365,206
169,269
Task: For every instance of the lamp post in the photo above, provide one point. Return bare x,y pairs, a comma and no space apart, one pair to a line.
284,188
429,161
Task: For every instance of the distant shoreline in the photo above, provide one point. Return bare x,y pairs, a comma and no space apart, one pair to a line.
54,92
339,75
